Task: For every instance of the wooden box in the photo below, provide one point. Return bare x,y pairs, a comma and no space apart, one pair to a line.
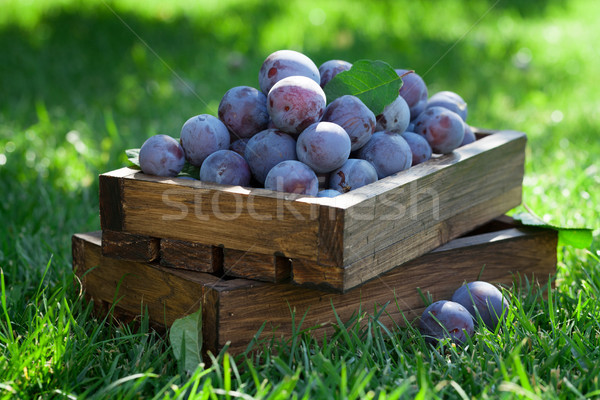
333,243
233,310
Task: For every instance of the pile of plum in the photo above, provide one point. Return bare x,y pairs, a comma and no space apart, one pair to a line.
285,137
456,319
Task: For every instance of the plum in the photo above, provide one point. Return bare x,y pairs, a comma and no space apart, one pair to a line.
446,319
323,146
395,116
354,116
161,155
329,69
443,129
414,91
388,152
483,298
294,177
201,136
469,135
243,109
353,174
450,100
328,193
295,102
284,63
420,148
267,149
226,167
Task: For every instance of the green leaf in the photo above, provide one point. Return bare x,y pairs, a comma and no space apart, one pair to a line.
186,340
376,83
133,155
580,238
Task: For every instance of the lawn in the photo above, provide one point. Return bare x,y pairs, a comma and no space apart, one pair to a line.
81,81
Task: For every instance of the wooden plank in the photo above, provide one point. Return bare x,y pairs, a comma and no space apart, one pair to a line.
127,246
234,310
198,212
191,256
255,266
111,201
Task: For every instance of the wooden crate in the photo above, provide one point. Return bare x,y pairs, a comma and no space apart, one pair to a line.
333,243
234,309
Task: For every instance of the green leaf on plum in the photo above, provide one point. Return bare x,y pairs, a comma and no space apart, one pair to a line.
376,83
133,155
580,238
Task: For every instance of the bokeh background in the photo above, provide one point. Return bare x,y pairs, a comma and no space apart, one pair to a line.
81,81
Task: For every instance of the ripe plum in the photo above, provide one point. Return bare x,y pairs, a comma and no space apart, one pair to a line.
201,136
483,298
446,319
243,109
294,177
239,146
414,91
161,155
284,63
420,148
469,135
267,149
328,193
295,102
323,146
354,116
352,175
226,167
331,68
388,152
443,129
450,100
395,116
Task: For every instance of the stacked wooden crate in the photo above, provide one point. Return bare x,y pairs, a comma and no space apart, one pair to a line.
250,256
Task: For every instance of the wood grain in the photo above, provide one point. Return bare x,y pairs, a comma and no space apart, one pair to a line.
128,246
255,266
234,310
191,256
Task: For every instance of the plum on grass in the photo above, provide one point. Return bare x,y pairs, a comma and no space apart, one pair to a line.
395,116
420,148
161,155
284,63
414,91
201,136
267,149
295,102
446,319
354,116
243,109
353,174
331,68
294,177
483,298
323,146
388,152
443,129
450,100
328,193
226,167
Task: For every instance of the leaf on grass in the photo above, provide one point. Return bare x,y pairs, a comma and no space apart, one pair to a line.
186,340
580,238
376,83
133,155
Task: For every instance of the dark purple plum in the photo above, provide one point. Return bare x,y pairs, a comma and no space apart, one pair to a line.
243,109
284,63
161,155
331,68
239,146
414,91
295,102
353,174
443,129
483,298
446,319
323,146
388,152
267,149
293,177
450,100
226,167
328,193
469,135
354,116
395,116
420,148
201,136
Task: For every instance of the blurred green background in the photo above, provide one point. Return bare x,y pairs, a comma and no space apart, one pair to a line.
81,81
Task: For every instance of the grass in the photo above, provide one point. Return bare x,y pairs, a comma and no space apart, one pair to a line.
82,81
